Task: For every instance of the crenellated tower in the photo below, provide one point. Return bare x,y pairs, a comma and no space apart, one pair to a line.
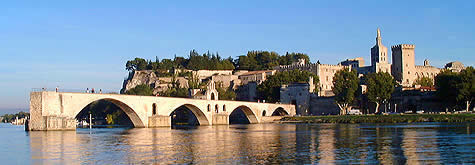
403,67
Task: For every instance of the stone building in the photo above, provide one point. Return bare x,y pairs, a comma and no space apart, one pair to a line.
255,76
404,69
357,62
454,66
297,94
203,74
227,81
210,93
324,71
247,92
379,56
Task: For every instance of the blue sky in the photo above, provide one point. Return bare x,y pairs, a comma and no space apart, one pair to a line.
82,44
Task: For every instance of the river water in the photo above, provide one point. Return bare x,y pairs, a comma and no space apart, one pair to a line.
425,143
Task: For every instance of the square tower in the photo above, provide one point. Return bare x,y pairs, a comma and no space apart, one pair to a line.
379,52
403,67
379,56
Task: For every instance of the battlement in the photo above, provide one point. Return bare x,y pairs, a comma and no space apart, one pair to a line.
421,66
294,66
330,65
403,46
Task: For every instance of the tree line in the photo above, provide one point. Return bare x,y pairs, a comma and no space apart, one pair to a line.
8,118
253,60
456,90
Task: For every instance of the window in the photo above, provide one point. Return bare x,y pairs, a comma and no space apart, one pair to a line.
216,108
209,108
264,113
154,109
224,107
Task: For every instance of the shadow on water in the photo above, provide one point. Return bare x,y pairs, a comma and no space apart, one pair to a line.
238,117
185,127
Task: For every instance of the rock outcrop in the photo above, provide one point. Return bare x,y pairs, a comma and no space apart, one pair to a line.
149,77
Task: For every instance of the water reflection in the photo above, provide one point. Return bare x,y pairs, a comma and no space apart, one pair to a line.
259,143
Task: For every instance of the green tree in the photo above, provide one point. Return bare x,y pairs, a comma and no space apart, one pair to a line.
379,88
263,60
456,88
269,90
175,92
466,87
345,86
424,81
142,89
225,93
446,85
136,64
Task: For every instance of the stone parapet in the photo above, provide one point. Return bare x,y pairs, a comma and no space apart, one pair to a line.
403,46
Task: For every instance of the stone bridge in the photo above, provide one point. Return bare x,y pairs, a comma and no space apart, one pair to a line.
58,110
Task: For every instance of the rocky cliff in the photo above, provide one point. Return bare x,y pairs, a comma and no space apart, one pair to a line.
149,77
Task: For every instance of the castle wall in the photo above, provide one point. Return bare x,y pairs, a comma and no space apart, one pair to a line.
326,73
208,73
426,71
298,94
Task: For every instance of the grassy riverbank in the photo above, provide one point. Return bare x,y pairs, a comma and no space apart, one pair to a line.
406,118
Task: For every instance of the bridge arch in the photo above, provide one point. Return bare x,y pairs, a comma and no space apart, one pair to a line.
249,114
197,112
280,112
136,121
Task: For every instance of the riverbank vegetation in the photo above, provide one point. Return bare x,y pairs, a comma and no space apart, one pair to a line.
394,118
8,118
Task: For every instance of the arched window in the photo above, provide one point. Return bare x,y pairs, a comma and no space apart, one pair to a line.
264,113
212,96
224,107
209,107
216,108
154,109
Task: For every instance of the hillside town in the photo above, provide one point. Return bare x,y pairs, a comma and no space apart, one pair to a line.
315,95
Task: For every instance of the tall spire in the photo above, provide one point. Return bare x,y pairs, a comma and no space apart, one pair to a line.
379,33
378,38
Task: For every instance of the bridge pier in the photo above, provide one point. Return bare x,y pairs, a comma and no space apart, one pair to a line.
220,119
159,121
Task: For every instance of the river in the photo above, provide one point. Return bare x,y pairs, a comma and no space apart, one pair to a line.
425,143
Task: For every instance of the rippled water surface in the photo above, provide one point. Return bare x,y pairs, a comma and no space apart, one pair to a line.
426,143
